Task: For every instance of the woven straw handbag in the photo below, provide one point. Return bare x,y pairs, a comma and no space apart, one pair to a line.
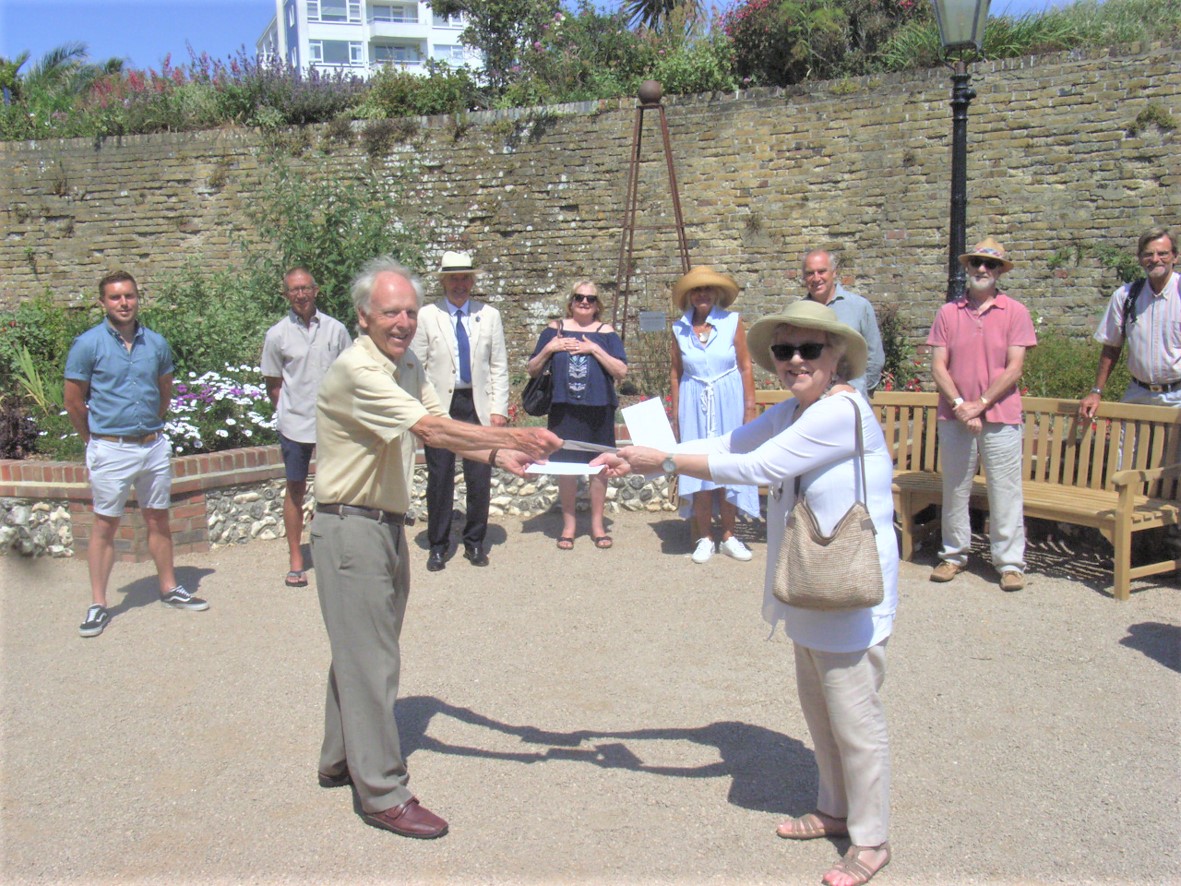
830,572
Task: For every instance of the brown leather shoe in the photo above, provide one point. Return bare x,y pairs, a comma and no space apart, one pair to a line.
411,819
946,571
1012,580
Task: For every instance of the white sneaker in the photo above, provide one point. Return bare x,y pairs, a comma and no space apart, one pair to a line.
704,550
732,547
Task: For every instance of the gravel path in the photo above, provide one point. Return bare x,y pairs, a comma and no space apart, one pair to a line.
585,717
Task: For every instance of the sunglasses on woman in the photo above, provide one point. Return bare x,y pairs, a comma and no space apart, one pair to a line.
987,262
809,350
586,299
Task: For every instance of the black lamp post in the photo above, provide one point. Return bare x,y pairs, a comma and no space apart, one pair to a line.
961,27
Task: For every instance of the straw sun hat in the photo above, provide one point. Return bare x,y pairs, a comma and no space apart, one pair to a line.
704,276
988,248
806,314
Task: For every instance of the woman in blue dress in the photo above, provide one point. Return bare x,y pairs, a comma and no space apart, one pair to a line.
588,361
713,392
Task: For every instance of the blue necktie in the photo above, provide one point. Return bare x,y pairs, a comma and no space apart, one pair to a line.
465,354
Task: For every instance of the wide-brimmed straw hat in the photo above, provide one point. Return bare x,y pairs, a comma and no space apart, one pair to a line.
806,314
988,248
456,263
704,276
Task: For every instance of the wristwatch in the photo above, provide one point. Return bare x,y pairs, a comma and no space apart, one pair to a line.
983,400
669,465
958,401
1096,390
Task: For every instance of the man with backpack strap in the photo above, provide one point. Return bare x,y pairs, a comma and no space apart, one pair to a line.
1147,315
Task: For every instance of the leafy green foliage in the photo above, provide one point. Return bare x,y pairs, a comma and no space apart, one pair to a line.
1082,24
780,42
397,93
503,30
901,370
1064,366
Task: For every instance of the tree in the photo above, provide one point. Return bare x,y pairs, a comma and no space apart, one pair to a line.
502,30
660,14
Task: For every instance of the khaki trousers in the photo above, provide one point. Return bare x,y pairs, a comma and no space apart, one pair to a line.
839,694
363,579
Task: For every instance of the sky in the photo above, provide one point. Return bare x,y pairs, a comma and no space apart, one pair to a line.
143,32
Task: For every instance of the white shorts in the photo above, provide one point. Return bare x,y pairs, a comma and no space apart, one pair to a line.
116,467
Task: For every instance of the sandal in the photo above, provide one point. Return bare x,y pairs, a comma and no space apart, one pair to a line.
812,826
851,865
602,542
296,579
565,542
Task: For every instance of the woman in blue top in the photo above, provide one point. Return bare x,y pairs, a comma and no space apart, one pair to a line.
588,361
713,392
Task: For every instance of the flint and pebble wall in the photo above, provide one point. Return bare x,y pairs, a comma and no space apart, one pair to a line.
233,498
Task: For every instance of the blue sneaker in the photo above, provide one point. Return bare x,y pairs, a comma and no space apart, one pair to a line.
97,618
179,598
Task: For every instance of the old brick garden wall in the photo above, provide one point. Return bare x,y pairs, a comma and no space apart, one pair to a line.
1057,160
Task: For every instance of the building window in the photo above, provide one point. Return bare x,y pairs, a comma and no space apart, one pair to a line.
335,52
406,15
451,53
449,21
399,55
334,10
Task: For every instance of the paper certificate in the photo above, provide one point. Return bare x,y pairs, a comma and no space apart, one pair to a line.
563,468
648,425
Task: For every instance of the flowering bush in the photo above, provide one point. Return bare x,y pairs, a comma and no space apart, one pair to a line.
216,411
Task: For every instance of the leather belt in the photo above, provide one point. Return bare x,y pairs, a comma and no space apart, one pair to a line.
146,438
367,513
1166,388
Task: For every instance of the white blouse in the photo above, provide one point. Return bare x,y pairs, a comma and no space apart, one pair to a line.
820,447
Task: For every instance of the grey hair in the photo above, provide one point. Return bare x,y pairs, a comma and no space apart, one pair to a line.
1155,234
362,286
834,260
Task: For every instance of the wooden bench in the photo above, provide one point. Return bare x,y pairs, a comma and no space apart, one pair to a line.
1120,475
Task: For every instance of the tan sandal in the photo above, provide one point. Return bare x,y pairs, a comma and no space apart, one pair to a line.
851,865
812,826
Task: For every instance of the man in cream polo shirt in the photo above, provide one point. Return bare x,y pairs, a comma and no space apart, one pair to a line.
296,353
374,403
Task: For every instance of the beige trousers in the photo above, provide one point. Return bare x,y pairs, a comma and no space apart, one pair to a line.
839,694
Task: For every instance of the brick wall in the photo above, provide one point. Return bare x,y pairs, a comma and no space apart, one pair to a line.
1055,162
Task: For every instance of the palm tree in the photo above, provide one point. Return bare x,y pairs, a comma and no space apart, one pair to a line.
658,14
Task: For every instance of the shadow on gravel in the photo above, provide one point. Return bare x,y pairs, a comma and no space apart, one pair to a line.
145,591
769,771
1160,642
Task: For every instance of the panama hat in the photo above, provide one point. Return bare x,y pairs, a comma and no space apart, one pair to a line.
456,263
988,248
704,276
806,314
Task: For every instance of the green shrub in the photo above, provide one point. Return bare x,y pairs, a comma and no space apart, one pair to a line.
1064,366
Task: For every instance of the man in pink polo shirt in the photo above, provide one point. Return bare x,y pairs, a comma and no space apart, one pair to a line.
979,343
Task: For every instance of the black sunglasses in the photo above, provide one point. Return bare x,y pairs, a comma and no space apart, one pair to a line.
989,263
589,299
809,350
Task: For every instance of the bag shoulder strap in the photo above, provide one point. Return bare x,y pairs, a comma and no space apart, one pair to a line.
859,445
1134,290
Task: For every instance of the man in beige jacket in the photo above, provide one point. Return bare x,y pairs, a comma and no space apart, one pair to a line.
460,342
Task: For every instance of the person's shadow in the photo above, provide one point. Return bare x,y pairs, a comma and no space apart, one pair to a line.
1160,642
145,591
768,771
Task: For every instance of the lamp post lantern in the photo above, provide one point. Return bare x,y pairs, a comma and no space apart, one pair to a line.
961,27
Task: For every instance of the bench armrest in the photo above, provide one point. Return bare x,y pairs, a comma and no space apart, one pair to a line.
1131,477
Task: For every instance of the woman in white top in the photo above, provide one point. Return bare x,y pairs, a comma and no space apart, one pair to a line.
840,656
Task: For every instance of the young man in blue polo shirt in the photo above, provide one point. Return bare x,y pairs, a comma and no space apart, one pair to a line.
117,391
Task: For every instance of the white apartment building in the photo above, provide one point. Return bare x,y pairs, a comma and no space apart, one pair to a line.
360,36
